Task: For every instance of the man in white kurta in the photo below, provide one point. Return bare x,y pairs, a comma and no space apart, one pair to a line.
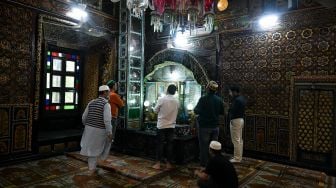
97,135
167,109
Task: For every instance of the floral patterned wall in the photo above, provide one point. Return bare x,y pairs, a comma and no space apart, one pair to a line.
263,63
16,54
20,70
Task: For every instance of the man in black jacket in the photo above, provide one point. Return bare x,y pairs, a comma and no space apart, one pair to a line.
236,114
208,109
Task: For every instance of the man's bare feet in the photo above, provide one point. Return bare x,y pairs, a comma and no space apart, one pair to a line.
157,166
92,172
101,162
169,166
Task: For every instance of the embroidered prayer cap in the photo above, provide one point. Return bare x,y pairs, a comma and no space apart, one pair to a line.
215,145
104,88
111,83
212,85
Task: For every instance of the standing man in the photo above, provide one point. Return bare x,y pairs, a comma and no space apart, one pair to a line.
167,108
208,109
116,102
97,135
219,172
236,114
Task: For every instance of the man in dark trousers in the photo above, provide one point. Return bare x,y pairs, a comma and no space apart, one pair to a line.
219,172
167,109
208,109
116,102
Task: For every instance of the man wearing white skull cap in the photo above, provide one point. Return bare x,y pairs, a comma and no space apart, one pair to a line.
97,135
219,171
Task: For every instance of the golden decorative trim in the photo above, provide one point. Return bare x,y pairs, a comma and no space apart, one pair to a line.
38,67
314,79
292,139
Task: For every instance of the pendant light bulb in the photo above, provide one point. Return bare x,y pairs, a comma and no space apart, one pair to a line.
222,5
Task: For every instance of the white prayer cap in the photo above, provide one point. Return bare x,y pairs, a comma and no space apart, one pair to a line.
212,85
104,88
215,145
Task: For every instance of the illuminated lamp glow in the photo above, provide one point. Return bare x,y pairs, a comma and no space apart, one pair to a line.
269,21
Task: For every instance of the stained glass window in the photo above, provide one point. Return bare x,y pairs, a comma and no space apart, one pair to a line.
48,81
70,66
69,97
70,81
57,64
56,97
62,80
56,81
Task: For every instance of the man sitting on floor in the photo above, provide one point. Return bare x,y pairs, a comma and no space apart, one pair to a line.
219,171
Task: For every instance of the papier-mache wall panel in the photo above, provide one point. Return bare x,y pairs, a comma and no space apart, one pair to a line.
15,128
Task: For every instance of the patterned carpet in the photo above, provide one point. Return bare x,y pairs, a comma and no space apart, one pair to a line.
133,167
59,171
128,171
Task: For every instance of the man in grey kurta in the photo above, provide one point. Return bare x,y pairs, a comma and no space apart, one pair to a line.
97,135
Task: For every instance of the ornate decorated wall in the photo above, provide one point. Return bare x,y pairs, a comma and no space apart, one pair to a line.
21,62
264,63
17,71
279,70
16,54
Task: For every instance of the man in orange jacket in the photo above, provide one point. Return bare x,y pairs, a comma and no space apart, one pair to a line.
116,102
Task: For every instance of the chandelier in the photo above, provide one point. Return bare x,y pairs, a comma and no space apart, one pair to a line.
182,15
137,7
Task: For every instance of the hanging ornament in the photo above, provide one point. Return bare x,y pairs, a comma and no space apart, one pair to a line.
209,15
209,21
156,22
222,5
208,5
137,7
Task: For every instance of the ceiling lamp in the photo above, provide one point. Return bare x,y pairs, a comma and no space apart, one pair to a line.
269,21
209,15
192,15
156,15
78,12
182,15
137,7
222,5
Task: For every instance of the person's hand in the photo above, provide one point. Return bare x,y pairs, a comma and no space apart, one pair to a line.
196,173
109,137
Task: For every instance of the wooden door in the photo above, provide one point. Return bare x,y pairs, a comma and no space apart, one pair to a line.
314,123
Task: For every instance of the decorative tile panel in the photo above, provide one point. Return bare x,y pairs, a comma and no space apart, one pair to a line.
263,63
4,122
16,128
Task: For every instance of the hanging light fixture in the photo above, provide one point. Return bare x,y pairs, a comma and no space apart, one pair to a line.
156,15
209,14
137,7
184,15
222,5
170,16
192,15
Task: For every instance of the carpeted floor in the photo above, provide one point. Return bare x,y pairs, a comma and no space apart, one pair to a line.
127,171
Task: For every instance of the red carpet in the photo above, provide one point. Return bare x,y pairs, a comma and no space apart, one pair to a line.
133,167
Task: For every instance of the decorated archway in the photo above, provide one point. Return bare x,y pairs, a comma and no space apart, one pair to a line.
179,56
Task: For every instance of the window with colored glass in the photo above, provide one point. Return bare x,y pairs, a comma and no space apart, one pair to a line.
62,77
